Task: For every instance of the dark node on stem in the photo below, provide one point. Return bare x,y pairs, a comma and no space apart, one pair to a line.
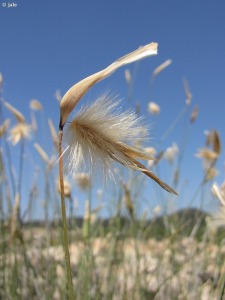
61,126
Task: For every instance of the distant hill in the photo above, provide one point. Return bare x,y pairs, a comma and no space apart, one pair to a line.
182,223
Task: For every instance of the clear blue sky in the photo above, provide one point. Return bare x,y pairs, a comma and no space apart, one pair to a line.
49,45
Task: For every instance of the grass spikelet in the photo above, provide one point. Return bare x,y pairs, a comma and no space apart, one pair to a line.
35,104
161,67
210,174
17,114
42,153
4,127
1,81
127,76
83,180
128,202
74,94
67,188
171,152
213,139
98,137
194,114
219,192
206,154
187,92
58,96
153,108
19,132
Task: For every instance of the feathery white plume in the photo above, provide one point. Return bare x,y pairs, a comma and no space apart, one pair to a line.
98,136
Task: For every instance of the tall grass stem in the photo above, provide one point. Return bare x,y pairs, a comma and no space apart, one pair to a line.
65,228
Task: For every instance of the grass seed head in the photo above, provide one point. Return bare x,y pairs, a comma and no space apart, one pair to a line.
206,154
19,132
17,114
4,127
127,76
83,180
67,188
35,104
1,81
219,192
194,114
98,137
153,108
161,67
171,153
187,92
213,140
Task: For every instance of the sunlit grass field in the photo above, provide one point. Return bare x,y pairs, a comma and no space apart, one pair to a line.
134,253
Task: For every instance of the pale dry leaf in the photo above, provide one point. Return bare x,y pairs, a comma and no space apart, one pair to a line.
17,114
74,94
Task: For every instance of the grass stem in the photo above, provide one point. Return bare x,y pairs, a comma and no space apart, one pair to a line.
65,228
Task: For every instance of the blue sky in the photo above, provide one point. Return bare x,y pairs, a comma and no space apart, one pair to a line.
50,45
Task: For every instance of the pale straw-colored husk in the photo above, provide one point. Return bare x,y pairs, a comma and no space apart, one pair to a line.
17,114
58,96
211,173
83,180
35,104
161,67
219,192
34,125
213,139
42,153
171,152
67,188
187,92
74,94
127,200
153,108
4,127
151,151
194,114
127,76
19,132
207,154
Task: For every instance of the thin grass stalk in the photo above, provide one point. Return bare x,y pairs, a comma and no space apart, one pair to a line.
221,287
181,155
65,228
9,161
11,175
174,123
203,181
46,204
22,147
71,213
89,214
